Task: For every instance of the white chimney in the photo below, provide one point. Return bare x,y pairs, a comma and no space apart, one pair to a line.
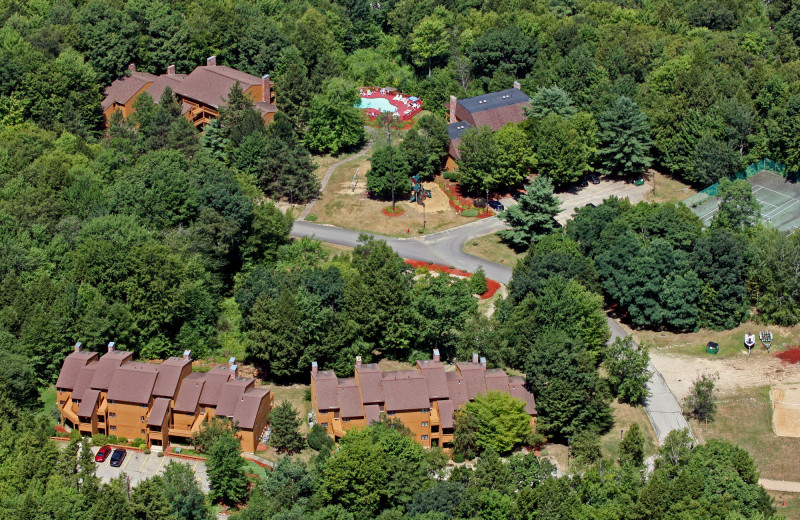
358,361
314,367
187,355
436,356
234,371
483,362
111,346
171,70
132,68
78,346
517,85
266,94
453,103
475,358
211,61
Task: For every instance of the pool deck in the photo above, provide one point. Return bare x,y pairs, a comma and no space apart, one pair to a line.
404,110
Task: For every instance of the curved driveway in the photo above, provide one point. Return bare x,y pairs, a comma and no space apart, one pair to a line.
446,248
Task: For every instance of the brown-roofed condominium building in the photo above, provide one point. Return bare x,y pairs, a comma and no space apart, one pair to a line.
200,93
423,399
114,395
494,110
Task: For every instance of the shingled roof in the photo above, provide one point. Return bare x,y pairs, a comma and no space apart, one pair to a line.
88,402
159,412
327,394
106,366
473,375
72,366
169,375
83,382
519,389
248,406
435,379
189,393
123,89
231,393
349,398
215,378
212,84
133,383
369,375
405,390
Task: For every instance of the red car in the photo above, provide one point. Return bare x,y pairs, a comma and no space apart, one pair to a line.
102,454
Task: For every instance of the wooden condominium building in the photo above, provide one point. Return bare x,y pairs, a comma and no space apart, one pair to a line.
200,93
424,399
114,395
494,110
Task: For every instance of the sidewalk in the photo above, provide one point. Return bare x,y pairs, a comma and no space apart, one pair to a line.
780,485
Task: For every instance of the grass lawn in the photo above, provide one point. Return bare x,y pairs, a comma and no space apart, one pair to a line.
791,511
334,249
667,188
48,398
624,416
731,342
491,247
746,419
296,395
272,455
254,469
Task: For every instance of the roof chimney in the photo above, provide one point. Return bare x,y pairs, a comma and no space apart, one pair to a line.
111,346
187,355
171,70
436,356
517,85
132,67
231,361
483,362
314,367
475,358
453,103
78,346
211,62
358,361
234,371
266,94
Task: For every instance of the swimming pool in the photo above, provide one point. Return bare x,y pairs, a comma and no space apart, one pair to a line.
381,104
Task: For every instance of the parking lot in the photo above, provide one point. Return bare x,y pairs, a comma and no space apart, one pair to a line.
139,466
577,196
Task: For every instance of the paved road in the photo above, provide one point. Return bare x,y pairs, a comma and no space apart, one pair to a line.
445,248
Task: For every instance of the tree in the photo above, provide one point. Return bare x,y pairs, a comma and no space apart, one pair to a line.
585,448
429,41
507,50
225,466
738,208
627,367
441,305
477,282
389,173
183,492
624,140
478,158
465,433
719,262
148,501
552,100
238,118
631,447
318,439
564,146
112,501
17,380
502,421
534,216
209,432
713,160
334,122
292,86
701,403
285,425
514,159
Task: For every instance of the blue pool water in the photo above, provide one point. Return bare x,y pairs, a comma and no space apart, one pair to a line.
381,104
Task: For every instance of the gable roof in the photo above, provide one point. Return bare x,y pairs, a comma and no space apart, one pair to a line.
169,375
496,379
349,398
123,89
517,388
248,406
72,366
446,410
108,363
494,109
457,129
88,402
211,84
156,89
405,390
457,388
231,393
133,383
435,380
473,376
372,413
159,412
189,393
326,385
215,379
83,382
369,375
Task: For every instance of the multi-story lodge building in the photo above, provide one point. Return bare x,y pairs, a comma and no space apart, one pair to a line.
424,399
200,93
159,403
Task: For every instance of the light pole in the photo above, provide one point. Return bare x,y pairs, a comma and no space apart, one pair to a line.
391,161
424,217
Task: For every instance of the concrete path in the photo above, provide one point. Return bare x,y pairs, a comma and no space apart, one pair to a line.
780,485
332,167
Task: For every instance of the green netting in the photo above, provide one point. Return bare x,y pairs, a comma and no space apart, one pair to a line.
711,191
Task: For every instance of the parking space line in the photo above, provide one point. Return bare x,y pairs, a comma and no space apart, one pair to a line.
125,464
143,462
162,463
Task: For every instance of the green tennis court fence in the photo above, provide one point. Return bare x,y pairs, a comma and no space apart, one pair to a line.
711,191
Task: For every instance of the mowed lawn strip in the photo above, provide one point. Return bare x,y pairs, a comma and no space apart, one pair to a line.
626,415
745,418
491,247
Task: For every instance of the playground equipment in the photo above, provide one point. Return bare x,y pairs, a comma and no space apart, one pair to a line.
418,191
766,338
749,341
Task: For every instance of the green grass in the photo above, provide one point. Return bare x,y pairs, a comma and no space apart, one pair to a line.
491,247
48,398
233,342
791,511
255,469
624,416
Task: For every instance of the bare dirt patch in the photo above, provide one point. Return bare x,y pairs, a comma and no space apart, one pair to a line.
785,410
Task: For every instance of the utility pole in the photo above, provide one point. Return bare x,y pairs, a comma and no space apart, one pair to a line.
391,161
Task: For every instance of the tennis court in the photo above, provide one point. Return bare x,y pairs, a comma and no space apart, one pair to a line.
779,199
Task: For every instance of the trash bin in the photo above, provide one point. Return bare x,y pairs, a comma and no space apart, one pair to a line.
712,348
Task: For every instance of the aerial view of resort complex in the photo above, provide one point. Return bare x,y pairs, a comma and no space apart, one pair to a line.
401,260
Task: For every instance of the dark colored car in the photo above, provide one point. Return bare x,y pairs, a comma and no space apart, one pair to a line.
496,205
117,457
102,454
584,182
594,179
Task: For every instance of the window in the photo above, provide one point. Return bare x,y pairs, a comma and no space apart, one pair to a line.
142,418
324,425
424,437
426,410
346,419
62,403
112,414
143,406
424,424
142,432
390,413
434,429
113,428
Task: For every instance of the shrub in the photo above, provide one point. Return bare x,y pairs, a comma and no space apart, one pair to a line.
147,451
311,218
99,439
138,442
318,439
112,439
471,212
122,440
479,203
477,282
307,395
74,435
458,457
160,454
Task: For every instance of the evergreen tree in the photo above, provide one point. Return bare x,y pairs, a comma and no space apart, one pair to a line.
148,501
87,479
585,448
550,100
477,282
183,493
387,164
701,402
334,122
465,433
225,466
237,117
631,447
292,86
624,147
534,216
285,424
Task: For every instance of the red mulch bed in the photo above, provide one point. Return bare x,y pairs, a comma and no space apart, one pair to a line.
61,429
790,355
492,286
389,213
458,200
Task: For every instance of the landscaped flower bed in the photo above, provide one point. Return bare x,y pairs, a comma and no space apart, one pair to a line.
459,202
491,285
397,211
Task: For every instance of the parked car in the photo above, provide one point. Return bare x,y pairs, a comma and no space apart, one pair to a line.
496,205
102,454
594,179
117,457
583,182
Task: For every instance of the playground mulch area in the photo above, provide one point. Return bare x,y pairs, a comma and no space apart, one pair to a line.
785,409
779,199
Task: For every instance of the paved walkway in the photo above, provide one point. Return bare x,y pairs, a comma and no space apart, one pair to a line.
780,485
332,167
